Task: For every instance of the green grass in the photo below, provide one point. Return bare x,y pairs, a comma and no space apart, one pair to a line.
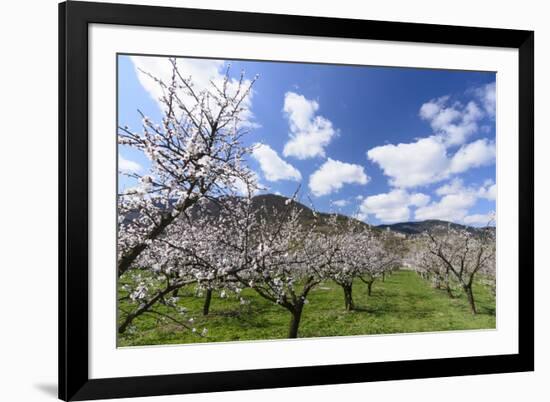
403,303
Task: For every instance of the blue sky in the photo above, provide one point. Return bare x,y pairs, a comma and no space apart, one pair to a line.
384,144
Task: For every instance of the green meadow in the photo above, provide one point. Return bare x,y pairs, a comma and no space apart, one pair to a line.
403,303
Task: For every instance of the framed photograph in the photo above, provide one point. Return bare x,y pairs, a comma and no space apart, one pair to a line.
257,201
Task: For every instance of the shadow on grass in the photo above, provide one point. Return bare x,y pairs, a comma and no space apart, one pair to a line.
383,303
386,310
487,310
225,313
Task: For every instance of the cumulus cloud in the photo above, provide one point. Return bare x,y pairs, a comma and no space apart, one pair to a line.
128,166
201,71
488,191
479,219
488,97
447,151
475,154
414,164
309,132
393,206
333,174
453,187
451,207
456,186
456,200
453,123
242,188
426,161
419,199
273,167
340,203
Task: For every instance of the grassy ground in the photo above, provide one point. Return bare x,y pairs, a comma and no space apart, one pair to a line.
403,303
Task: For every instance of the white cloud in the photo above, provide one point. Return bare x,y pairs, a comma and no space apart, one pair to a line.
455,202
309,133
488,98
455,186
419,199
273,167
479,219
426,161
409,165
451,207
453,123
201,72
488,191
241,187
475,154
393,206
126,165
332,175
340,203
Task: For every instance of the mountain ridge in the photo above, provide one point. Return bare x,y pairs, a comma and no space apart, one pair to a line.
279,203
407,228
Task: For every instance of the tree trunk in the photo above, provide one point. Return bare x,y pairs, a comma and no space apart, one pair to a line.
131,255
470,296
207,300
369,288
448,283
348,297
176,292
383,277
449,291
125,262
295,320
142,309
126,323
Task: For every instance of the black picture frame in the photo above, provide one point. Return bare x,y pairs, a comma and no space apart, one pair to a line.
74,381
